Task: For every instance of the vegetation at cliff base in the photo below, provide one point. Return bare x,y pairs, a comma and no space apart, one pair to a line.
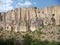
28,40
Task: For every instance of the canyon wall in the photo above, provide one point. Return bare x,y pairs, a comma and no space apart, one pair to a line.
29,19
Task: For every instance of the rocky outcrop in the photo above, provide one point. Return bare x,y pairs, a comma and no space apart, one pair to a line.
26,19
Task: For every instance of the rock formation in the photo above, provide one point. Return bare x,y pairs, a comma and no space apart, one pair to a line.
26,19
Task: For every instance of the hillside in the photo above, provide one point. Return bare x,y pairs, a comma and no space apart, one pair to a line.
43,24
24,19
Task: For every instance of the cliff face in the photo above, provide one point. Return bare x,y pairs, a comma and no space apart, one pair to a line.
24,19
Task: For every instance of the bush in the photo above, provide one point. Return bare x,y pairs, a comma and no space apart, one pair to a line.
53,43
36,42
7,41
2,42
45,42
58,43
27,40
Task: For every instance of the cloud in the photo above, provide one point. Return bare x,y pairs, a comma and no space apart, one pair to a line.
25,3
6,5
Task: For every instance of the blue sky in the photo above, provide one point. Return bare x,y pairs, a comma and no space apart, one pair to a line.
6,5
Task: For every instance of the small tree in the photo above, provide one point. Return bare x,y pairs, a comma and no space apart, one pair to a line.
53,19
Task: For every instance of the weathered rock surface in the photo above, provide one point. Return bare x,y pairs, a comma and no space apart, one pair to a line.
24,19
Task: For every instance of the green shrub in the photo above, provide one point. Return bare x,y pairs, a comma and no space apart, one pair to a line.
36,42
45,42
2,42
58,43
27,40
53,43
53,20
9,41
58,25
59,30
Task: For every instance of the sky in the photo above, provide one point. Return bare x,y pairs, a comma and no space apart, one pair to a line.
6,5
